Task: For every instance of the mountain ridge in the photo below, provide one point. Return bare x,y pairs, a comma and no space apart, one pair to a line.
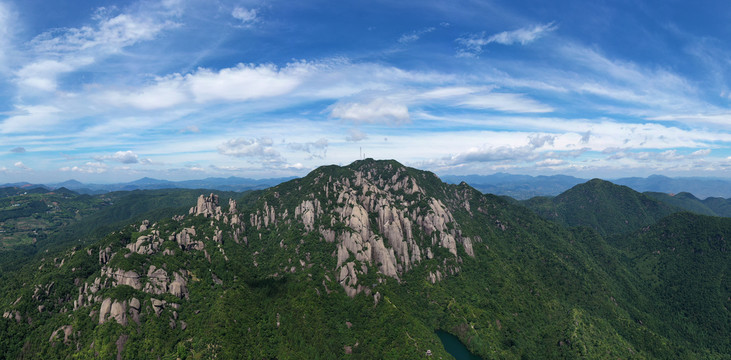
361,261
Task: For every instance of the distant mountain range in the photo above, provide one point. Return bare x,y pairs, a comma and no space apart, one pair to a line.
522,187
222,184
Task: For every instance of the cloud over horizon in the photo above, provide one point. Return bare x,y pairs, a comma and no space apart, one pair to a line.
185,89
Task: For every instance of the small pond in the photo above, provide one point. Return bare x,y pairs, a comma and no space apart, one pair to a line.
455,347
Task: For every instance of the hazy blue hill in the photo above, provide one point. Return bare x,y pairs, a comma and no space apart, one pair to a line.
683,200
699,187
603,206
520,187
721,206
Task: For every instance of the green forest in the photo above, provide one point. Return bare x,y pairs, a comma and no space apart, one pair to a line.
364,261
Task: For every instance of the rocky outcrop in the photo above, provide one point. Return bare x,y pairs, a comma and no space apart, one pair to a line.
146,245
207,206
121,277
185,240
134,310
179,286
105,255
66,330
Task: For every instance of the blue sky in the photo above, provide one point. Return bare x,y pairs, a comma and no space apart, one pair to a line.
108,91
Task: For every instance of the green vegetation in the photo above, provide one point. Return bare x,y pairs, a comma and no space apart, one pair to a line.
686,201
627,281
603,206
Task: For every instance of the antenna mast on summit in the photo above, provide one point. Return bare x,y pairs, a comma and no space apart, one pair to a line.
360,153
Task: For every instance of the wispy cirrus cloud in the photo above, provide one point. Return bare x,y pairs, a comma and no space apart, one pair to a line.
472,44
65,50
414,35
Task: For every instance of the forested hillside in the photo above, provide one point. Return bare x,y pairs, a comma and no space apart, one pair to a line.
367,261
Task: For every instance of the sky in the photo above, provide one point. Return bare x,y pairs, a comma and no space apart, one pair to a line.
111,91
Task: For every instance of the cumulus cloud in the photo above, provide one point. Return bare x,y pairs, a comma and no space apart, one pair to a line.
473,44
18,150
506,153
245,16
316,149
379,110
355,135
240,83
87,168
124,157
21,166
550,162
243,82
261,148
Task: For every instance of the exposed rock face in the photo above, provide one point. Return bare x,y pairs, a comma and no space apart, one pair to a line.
113,309
104,255
207,206
134,310
387,225
186,242
157,281
121,277
67,330
146,245
157,306
179,287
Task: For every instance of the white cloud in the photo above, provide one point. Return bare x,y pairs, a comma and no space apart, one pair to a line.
124,157
414,35
355,135
87,168
244,82
523,35
6,33
316,149
550,162
21,166
473,43
27,119
671,155
165,93
379,110
246,16
449,92
109,33
253,148
65,50
508,102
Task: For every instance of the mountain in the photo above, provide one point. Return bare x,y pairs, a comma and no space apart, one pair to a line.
699,187
603,206
366,262
520,187
146,183
710,206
